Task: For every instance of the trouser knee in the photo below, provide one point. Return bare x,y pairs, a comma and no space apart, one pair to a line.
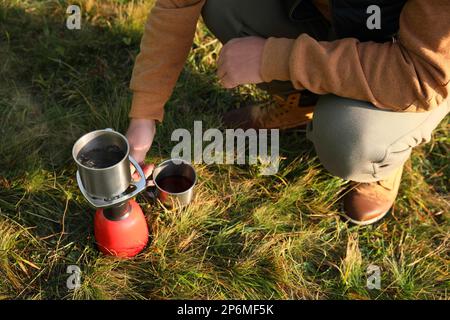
229,19
220,18
347,142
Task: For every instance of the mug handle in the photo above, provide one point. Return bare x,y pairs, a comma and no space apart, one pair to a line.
150,191
142,182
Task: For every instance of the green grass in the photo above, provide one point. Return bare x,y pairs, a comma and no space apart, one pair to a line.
245,237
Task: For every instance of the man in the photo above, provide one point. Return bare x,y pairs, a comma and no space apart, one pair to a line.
382,85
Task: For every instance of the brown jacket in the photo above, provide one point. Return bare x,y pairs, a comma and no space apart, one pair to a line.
410,74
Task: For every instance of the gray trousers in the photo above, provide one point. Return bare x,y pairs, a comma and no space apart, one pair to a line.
353,139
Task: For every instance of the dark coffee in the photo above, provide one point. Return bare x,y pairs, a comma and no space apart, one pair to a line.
99,158
174,184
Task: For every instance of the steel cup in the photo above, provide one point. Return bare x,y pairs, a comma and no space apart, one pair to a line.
106,186
174,169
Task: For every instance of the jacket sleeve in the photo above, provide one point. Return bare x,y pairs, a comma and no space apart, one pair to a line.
410,74
167,39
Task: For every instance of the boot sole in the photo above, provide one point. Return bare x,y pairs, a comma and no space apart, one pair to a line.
368,222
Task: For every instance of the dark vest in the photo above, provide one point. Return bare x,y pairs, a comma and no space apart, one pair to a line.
349,17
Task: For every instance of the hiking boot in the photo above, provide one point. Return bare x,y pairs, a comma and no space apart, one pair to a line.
282,112
367,203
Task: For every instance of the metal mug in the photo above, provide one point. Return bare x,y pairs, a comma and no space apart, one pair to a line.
174,168
105,187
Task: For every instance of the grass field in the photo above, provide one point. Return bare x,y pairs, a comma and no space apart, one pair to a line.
245,237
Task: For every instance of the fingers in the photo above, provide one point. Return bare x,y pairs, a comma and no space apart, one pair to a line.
139,153
221,73
224,77
223,66
222,54
220,66
146,168
227,82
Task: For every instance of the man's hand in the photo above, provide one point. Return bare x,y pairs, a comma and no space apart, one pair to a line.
140,136
240,62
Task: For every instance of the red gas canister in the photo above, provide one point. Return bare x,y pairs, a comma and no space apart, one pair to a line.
121,232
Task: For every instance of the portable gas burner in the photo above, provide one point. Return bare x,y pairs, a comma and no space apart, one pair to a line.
104,178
